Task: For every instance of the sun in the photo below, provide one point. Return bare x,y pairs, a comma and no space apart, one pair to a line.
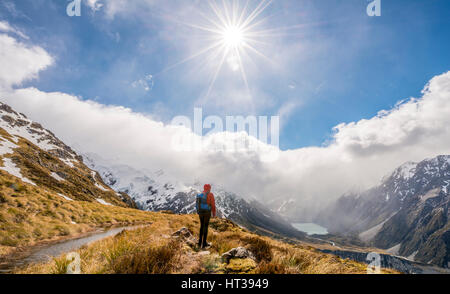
234,30
233,37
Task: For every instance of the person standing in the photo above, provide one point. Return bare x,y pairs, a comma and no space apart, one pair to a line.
206,206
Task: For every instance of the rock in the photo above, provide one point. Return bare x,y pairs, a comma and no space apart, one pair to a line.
7,108
241,265
186,236
191,242
239,253
183,233
8,119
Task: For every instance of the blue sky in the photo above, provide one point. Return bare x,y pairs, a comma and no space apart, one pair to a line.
334,65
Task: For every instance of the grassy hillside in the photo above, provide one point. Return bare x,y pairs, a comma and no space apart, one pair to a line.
31,214
154,250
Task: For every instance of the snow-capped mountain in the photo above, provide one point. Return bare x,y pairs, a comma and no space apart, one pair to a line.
157,191
407,214
18,125
37,157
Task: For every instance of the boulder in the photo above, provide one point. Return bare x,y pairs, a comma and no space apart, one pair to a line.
183,233
237,253
186,236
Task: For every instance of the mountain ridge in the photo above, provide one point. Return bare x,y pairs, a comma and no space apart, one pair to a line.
407,214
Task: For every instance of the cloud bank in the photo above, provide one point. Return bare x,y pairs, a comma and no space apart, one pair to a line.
358,156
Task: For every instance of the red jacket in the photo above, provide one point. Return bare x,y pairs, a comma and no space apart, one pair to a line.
211,202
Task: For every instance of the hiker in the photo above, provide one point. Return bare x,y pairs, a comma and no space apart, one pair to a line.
205,206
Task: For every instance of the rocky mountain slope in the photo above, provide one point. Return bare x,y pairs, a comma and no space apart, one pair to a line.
157,191
407,214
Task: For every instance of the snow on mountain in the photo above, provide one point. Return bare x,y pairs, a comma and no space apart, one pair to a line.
18,125
406,171
150,190
11,168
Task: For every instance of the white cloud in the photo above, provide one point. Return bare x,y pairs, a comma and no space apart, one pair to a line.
5,27
145,83
411,121
95,5
20,62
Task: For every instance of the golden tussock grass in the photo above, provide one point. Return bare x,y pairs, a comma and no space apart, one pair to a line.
151,249
30,214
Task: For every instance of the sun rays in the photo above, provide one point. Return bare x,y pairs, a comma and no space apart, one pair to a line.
235,31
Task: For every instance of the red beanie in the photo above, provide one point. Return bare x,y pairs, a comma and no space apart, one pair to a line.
207,187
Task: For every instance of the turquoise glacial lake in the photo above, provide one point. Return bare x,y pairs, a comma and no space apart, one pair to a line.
310,228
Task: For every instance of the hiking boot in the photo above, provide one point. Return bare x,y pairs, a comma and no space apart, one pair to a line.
206,245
